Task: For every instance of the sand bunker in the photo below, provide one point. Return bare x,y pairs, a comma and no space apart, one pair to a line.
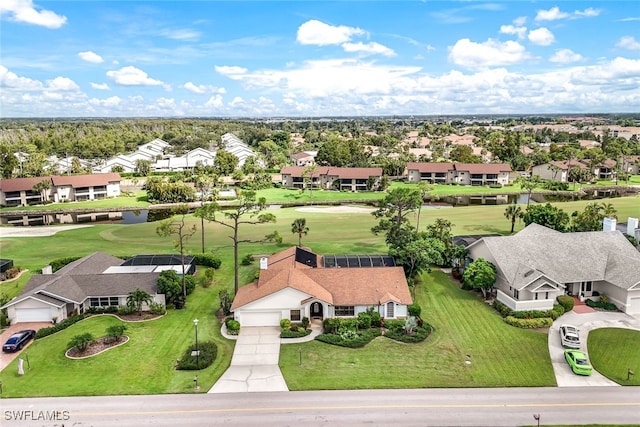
335,209
36,230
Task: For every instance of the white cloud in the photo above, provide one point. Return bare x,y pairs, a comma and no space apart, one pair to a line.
512,29
565,56
628,42
11,80
230,71
541,36
588,12
201,89
214,101
25,11
91,57
318,33
100,86
491,53
132,76
62,84
520,21
368,48
555,14
552,14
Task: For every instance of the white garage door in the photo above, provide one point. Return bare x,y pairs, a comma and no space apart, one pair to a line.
271,318
33,315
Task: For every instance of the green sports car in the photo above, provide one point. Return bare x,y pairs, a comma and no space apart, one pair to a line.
578,362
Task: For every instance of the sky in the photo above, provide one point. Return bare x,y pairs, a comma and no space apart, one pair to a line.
317,59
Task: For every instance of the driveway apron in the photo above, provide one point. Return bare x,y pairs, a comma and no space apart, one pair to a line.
7,358
254,365
585,322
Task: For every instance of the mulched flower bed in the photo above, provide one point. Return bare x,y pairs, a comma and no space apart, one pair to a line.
135,317
96,347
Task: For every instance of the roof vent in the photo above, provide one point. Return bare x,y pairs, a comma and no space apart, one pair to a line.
528,273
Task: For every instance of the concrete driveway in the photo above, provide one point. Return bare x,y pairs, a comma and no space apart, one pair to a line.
6,358
254,365
585,323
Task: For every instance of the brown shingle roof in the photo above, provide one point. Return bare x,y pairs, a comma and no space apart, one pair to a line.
296,171
483,167
91,180
354,173
424,167
21,184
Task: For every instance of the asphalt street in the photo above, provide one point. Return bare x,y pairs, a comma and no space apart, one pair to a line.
423,407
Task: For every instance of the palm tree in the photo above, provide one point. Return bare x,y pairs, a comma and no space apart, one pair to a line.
609,211
299,227
513,212
136,298
424,188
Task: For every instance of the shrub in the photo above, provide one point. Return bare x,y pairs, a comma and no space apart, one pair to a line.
124,310
298,333
305,322
415,310
247,259
57,264
357,341
233,326
208,260
207,279
12,272
59,326
501,308
330,325
602,305
3,320
364,321
225,301
115,332
157,308
542,322
208,353
285,324
394,324
420,334
376,318
80,342
566,302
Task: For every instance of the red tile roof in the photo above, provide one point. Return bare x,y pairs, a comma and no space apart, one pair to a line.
336,286
424,167
296,171
483,167
354,173
21,184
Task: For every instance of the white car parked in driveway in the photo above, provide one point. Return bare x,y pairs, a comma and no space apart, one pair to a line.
569,336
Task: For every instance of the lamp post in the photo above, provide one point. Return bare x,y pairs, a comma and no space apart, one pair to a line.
195,323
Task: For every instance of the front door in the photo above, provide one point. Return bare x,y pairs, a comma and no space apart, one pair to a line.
586,289
316,311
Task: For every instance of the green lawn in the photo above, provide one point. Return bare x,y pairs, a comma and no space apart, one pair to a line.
144,365
613,351
501,355
330,233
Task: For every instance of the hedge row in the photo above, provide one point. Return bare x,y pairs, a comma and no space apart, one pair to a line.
360,340
299,333
208,260
44,332
603,305
541,322
208,353
557,311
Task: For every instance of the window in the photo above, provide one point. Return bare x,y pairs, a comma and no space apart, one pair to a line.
345,310
294,315
104,301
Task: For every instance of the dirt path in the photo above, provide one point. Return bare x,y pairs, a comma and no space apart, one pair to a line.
37,231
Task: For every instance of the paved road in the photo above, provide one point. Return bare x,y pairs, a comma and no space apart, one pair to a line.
425,407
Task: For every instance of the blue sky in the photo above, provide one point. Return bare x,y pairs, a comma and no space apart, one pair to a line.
313,58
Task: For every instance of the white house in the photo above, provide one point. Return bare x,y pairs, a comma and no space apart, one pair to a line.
538,264
297,283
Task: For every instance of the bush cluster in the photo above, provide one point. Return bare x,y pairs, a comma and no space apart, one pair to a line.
102,310
157,308
415,310
44,332
555,185
557,311
208,260
233,326
398,334
12,272
566,301
298,332
208,353
540,322
358,340
603,305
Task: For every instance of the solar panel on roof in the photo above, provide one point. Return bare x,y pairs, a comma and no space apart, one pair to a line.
357,261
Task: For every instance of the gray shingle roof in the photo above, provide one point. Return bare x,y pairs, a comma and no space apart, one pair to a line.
566,257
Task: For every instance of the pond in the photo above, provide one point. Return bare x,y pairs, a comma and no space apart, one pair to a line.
117,217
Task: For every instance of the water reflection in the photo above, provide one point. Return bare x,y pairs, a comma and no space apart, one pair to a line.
123,217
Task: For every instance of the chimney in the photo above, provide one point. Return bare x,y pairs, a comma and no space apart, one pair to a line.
632,226
264,263
47,269
609,224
